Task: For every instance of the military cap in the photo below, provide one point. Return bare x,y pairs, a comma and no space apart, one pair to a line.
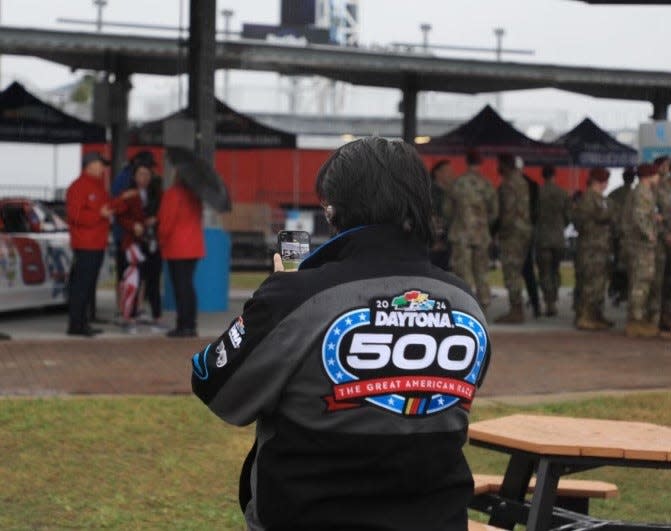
599,174
646,170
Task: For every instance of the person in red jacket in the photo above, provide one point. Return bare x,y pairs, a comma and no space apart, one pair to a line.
181,241
89,210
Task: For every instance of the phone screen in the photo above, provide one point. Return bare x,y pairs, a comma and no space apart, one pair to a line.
293,246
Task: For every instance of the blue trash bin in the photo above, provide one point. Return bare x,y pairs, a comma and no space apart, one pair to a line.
212,275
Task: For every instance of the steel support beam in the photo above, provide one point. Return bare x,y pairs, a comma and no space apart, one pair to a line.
118,116
203,15
409,107
660,109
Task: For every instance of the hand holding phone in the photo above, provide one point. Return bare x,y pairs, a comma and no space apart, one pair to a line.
293,246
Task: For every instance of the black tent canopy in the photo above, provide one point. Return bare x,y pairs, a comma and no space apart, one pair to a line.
25,118
591,146
492,135
233,130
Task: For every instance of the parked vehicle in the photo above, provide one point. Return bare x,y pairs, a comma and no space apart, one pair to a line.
35,255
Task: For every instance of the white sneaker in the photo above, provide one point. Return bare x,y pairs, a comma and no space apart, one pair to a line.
129,328
142,317
158,326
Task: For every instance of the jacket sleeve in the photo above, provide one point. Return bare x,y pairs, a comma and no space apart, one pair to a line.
79,210
130,213
643,221
242,374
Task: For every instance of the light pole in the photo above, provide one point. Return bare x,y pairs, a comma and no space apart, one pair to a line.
499,33
423,98
227,14
426,29
100,4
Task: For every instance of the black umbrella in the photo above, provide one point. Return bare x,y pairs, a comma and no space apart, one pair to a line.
200,177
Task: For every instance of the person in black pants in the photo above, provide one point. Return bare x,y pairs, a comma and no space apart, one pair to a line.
528,271
89,210
83,278
181,276
182,244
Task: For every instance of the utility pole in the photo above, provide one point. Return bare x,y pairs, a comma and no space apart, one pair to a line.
100,4
0,56
426,29
499,33
227,14
423,106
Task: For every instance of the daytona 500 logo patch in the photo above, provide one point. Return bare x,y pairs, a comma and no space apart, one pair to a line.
408,354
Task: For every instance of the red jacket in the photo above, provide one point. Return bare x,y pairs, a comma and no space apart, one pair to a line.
180,226
84,199
132,214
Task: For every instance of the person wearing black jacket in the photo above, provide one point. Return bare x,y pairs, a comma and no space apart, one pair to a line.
360,368
528,271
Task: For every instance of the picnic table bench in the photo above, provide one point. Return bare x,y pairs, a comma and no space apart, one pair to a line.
572,494
556,446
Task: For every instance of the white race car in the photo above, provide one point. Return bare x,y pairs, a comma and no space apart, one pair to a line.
35,255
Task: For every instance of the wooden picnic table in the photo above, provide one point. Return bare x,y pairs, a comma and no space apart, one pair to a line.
557,446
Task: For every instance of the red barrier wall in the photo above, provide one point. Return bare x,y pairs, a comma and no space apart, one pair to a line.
285,177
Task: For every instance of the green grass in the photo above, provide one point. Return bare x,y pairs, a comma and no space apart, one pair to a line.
247,279
168,463
566,273
252,280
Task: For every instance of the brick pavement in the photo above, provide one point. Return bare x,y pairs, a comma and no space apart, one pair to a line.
542,362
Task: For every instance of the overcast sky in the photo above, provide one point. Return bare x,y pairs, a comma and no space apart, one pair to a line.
559,31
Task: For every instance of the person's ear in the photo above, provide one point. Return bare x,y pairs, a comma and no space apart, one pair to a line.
330,213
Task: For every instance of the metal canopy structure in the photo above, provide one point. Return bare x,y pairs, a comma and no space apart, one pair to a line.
411,73
162,56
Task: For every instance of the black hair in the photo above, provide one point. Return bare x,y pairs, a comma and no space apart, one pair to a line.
548,171
437,166
473,157
506,161
373,181
629,174
134,168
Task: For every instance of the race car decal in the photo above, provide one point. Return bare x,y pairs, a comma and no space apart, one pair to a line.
408,354
32,264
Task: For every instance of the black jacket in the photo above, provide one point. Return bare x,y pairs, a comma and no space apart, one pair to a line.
359,370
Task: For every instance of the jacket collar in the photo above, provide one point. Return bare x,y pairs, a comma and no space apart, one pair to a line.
90,177
366,242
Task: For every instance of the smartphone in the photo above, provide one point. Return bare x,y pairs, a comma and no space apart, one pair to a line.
293,246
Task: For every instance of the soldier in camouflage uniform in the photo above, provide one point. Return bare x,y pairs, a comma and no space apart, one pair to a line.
663,253
514,232
593,221
554,206
641,226
617,288
442,178
472,208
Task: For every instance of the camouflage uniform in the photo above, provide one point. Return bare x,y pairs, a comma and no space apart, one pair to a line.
554,208
618,282
439,252
472,210
593,220
514,234
662,284
640,236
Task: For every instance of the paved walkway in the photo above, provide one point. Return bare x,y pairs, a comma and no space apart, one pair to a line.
544,357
